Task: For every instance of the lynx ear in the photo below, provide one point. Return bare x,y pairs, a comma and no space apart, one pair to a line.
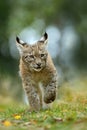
44,38
20,44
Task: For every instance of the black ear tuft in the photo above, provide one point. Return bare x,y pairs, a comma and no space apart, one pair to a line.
45,35
17,39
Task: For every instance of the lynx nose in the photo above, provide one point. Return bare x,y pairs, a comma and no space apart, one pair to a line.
39,64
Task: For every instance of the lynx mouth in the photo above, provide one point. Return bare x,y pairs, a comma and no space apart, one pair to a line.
38,69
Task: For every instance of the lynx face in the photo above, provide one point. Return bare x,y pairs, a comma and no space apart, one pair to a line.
34,56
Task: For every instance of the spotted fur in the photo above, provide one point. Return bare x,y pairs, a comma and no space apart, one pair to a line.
36,67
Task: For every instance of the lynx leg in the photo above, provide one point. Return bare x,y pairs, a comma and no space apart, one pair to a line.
49,94
40,96
50,90
33,98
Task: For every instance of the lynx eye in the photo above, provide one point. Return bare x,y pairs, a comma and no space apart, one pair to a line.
42,55
31,56
26,56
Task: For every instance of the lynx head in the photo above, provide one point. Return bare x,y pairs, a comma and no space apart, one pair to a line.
34,56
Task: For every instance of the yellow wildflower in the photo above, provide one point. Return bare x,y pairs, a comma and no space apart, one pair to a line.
7,123
17,117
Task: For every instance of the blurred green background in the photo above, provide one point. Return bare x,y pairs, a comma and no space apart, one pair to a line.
66,24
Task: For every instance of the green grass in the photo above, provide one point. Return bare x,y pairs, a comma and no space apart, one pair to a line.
63,116
69,112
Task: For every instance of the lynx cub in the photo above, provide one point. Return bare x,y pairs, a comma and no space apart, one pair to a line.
36,67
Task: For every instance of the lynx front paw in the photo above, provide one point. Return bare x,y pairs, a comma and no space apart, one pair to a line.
49,97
